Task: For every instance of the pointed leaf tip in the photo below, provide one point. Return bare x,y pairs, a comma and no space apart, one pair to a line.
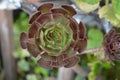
44,18
46,7
34,17
82,31
70,9
59,10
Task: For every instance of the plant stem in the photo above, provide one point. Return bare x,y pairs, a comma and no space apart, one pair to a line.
93,50
89,51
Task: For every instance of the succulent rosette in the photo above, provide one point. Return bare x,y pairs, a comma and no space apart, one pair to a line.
111,44
54,36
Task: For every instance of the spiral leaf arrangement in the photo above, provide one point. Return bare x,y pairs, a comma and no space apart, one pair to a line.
111,43
54,36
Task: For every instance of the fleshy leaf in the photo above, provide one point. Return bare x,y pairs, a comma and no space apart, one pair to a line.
23,40
72,61
44,63
45,8
59,10
33,49
46,56
82,31
71,11
80,45
33,30
74,27
34,17
44,18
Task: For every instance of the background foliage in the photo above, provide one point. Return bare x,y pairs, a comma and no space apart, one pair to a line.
110,11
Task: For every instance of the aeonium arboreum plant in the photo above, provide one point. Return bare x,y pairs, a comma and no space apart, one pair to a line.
54,36
111,43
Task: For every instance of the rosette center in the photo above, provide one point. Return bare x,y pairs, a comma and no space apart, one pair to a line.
116,47
55,37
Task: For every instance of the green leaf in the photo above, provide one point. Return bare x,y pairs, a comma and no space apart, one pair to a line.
91,1
35,59
116,6
80,78
31,77
109,13
94,38
24,65
106,65
95,68
87,5
40,70
21,53
22,22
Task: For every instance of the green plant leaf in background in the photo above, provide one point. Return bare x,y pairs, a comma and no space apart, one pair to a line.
22,23
95,37
39,70
20,53
92,2
24,65
87,5
80,78
111,13
96,67
94,70
116,6
31,77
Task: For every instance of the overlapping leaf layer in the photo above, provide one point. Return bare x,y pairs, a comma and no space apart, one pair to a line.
111,44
